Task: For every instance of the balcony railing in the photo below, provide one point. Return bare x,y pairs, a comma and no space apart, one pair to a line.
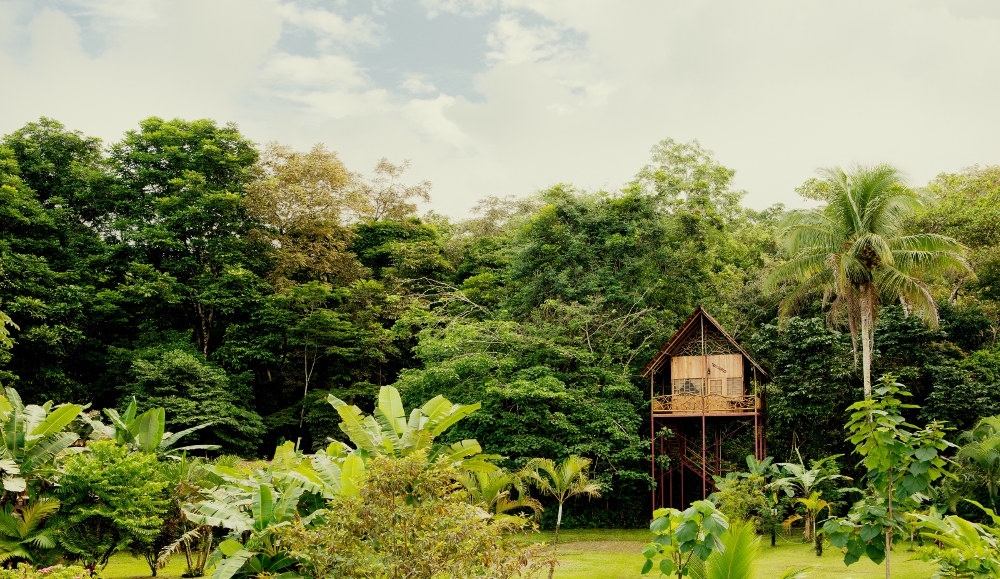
710,404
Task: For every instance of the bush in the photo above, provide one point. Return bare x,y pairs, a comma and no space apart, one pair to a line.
26,571
411,519
114,501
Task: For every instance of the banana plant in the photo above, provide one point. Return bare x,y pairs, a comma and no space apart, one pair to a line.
33,436
389,432
146,433
253,504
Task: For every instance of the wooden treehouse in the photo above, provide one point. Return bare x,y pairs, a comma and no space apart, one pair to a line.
707,401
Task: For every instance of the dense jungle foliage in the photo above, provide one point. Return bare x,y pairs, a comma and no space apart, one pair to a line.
220,280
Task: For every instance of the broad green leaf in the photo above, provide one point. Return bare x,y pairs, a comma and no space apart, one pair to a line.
57,420
230,547
391,406
231,564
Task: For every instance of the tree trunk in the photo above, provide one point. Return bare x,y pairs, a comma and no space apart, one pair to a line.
817,540
888,532
555,541
867,336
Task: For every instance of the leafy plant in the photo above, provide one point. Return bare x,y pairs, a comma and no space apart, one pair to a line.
113,499
410,519
804,482
24,535
146,432
493,489
902,461
682,536
738,558
562,481
33,436
962,548
253,503
387,431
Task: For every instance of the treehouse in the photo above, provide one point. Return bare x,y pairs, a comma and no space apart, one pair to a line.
706,396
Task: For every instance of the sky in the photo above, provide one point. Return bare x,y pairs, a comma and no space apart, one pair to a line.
509,97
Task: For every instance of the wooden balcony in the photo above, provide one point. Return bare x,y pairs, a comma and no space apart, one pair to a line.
695,405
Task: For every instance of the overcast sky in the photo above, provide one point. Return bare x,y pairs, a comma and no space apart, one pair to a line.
506,97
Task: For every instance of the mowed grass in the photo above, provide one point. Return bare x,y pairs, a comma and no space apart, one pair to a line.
616,554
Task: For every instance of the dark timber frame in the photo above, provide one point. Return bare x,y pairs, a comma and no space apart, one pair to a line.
704,388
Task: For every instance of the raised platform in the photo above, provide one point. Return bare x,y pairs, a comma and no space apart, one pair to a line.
710,405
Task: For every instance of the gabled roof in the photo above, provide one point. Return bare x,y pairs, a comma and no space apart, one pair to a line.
678,339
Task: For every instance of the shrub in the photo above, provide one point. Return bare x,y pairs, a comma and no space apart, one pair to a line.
411,519
26,571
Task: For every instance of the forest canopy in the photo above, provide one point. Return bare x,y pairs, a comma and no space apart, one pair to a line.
221,280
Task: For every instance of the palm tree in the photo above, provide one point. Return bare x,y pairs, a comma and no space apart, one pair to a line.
854,249
562,481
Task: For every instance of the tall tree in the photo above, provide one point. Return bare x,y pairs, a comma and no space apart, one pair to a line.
303,201
180,210
854,250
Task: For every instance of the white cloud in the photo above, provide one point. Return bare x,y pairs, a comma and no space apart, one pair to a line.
418,84
466,8
335,30
513,43
568,92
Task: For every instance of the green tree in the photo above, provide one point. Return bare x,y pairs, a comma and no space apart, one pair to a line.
180,210
562,482
977,463
855,249
902,461
681,536
383,197
192,392
113,499
302,201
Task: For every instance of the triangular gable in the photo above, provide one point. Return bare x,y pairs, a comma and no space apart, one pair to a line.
680,338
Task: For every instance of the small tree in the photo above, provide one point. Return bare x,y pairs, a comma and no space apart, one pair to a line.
562,482
114,500
681,536
902,461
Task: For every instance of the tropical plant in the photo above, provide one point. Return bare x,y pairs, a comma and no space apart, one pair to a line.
803,482
977,463
562,481
411,519
33,436
24,535
962,548
113,499
697,532
854,250
737,560
902,461
388,432
188,481
253,502
813,505
493,489
146,433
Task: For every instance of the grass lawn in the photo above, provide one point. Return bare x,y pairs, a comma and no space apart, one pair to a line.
124,566
600,553
615,554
